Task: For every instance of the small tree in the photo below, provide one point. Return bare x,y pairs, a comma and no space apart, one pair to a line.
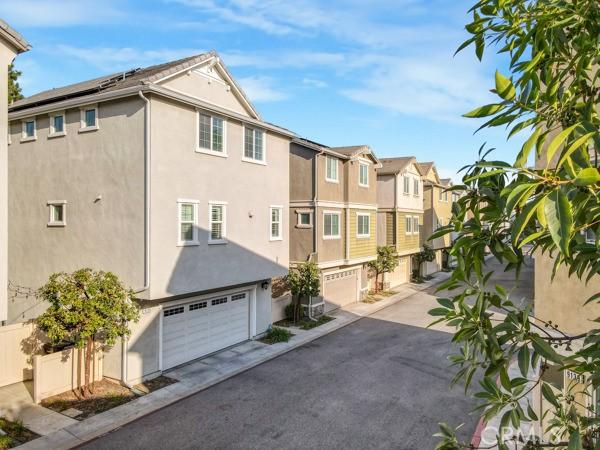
304,283
387,260
14,90
85,307
425,255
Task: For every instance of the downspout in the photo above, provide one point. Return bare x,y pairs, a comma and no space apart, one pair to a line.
147,153
315,216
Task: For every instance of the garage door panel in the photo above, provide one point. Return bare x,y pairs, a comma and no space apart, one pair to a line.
204,327
340,288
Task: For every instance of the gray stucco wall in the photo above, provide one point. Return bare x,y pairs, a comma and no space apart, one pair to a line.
102,233
357,193
330,191
301,239
331,249
6,56
386,188
179,172
301,173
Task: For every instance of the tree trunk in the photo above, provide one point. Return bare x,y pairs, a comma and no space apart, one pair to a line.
88,362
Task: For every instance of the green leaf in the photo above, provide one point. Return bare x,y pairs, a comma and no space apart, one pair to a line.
575,441
573,147
523,219
523,358
548,394
556,143
526,149
544,349
491,173
484,111
559,217
587,177
504,87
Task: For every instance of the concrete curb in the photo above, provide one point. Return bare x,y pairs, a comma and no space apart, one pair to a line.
103,423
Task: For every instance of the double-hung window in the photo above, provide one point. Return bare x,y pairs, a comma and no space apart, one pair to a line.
254,145
57,124
88,118
275,223
406,181
416,187
408,224
29,132
331,225
57,213
331,169
218,223
363,225
211,134
415,226
363,175
188,222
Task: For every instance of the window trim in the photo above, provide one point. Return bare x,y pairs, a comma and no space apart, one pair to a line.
24,137
418,223
406,184
262,162
223,239
417,185
360,166
299,224
337,169
358,234
195,238
82,126
222,154
337,236
408,221
280,209
63,205
52,131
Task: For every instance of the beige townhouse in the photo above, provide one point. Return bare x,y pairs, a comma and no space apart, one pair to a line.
437,212
400,213
11,44
168,177
333,216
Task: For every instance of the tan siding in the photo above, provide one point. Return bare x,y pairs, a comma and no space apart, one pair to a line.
389,228
407,242
362,247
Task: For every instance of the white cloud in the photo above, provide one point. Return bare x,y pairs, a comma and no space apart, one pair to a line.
111,59
260,89
50,13
312,82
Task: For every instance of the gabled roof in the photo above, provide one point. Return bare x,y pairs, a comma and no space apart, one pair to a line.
425,167
13,37
131,78
396,165
347,152
446,181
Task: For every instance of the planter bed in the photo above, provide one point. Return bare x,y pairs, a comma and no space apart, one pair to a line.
305,324
14,434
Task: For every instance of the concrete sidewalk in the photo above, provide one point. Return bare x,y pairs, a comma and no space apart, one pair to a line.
203,373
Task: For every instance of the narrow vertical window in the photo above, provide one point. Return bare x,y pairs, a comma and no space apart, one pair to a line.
416,190
331,173
415,226
89,118
217,216
406,184
57,125
275,227
408,224
29,131
254,144
188,223
363,174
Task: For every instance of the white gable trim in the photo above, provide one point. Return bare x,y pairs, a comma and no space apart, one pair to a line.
229,81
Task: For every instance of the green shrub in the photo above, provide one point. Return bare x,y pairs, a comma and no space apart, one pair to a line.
289,311
5,442
277,334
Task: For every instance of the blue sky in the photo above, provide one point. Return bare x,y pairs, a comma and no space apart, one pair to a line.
377,72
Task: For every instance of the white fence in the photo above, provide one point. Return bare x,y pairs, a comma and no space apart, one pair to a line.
17,345
62,371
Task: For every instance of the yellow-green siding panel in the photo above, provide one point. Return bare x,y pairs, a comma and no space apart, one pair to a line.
362,247
407,242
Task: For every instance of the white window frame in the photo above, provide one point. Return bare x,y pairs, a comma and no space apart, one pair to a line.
416,187
329,158
262,161
52,131
24,137
195,238
280,236
358,233
406,184
223,239
360,167
416,221
57,223
223,153
299,213
83,128
336,236
587,239
408,225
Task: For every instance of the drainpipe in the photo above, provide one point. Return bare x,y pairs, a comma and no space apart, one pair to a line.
315,217
147,153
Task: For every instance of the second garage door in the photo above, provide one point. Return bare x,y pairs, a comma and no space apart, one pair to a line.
401,274
340,288
197,328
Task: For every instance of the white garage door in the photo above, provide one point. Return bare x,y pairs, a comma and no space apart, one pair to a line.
340,288
400,274
197,328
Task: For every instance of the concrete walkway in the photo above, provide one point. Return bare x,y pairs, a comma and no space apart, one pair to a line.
203,373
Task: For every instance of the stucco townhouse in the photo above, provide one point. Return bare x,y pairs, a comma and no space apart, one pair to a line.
168,177
11,44
400,213
437,212
333,216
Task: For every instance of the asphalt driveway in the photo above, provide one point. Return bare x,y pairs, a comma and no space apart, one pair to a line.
377,383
